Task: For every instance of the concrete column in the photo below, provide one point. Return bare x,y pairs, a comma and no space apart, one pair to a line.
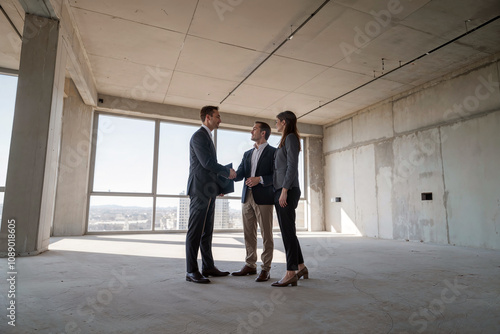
34,151
316,183
71,198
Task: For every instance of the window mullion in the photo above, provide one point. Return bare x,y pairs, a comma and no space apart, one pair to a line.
155,170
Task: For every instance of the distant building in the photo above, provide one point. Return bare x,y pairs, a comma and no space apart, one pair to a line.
221,219
183,212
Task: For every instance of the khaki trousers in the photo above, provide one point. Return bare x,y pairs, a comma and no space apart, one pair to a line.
263,215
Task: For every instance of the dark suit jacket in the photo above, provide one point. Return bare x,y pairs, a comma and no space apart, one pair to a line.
286,164
262,193
203,167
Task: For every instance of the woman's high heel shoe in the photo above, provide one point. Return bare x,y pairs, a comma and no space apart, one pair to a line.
292,281
303,272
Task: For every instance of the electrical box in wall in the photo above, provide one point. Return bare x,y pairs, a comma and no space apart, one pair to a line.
426,196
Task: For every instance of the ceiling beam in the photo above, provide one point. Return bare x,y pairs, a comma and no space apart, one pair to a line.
132,107
78,64
9,71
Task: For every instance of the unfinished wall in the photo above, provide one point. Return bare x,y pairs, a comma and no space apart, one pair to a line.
441,138
71,197
315,183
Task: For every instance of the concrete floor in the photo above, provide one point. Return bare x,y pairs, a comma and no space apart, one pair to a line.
135,284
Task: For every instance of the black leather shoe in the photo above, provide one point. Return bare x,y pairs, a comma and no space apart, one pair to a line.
214,272
196,277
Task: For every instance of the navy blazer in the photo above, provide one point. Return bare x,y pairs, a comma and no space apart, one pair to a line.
203,167
286,164
263,194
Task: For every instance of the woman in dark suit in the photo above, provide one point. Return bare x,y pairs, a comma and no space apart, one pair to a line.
287,195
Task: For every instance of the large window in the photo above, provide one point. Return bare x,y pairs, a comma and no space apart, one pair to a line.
140,176
124,157
172,204
8,88
173,162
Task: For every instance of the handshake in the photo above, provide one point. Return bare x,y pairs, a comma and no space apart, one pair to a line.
232,174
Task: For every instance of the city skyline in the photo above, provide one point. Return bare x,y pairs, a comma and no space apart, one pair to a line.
116,217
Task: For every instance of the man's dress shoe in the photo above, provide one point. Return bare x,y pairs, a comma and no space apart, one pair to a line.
214,272
246,270
196,277
263,276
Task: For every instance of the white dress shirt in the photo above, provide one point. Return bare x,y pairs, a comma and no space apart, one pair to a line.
257,152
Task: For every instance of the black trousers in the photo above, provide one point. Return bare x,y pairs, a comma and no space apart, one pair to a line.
286,219
200,232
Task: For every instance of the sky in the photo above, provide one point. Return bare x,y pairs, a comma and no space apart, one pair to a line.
8,86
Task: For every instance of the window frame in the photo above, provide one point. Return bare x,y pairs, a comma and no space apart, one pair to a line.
154,191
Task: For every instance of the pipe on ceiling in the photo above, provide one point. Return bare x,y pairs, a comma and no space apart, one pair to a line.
276,49
403,65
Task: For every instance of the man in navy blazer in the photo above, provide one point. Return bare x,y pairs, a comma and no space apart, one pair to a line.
203,189
258,198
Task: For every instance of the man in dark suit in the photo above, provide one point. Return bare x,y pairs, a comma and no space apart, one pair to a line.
258,199
203,189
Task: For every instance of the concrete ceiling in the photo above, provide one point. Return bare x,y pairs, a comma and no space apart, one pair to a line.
195,52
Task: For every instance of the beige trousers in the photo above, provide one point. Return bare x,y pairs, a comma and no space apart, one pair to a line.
263,215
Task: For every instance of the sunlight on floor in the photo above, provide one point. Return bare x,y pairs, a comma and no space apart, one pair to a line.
225,247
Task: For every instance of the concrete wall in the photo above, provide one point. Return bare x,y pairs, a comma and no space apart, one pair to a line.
441,138
71,197
314,191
